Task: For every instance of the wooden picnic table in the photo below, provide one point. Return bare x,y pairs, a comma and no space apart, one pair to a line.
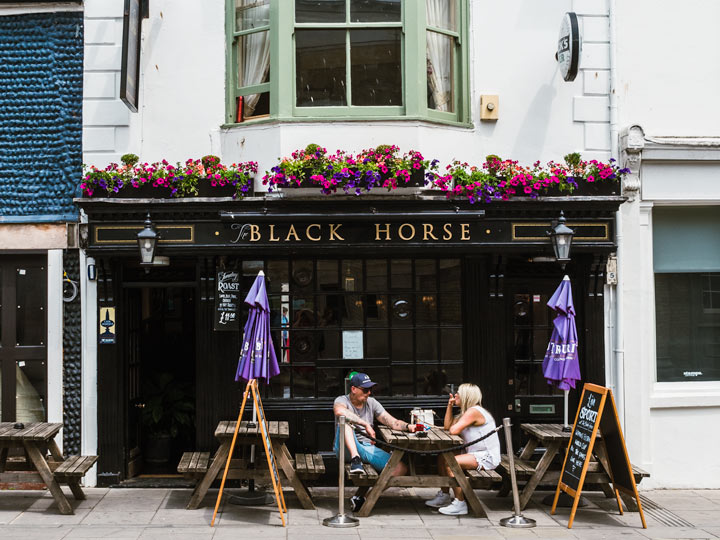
198,465
552,439
36,439
438,440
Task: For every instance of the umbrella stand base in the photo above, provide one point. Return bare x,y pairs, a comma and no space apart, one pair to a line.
564,501
249,497
341,521
518,522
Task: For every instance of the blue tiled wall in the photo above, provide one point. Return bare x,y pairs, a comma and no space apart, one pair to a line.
41,74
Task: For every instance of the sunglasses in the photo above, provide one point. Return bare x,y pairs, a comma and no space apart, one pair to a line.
364,390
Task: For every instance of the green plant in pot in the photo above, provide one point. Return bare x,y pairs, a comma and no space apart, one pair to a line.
169,412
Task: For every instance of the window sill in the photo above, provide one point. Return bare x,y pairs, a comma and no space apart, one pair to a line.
349,119
678,395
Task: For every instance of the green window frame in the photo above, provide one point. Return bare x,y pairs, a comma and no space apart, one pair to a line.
280,89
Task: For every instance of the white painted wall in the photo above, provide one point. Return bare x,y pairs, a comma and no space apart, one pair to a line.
182,91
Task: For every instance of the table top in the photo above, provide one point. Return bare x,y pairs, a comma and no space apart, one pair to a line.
549,432
32,431
276,430
437,439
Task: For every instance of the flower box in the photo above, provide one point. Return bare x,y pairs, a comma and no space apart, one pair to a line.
588,189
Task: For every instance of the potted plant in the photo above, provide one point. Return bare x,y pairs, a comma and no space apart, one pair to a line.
169,412
382,166
205,177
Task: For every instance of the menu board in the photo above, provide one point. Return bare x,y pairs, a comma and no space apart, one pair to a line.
582,435
596,412
227,301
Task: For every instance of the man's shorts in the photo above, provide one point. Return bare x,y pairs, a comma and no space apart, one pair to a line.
369,453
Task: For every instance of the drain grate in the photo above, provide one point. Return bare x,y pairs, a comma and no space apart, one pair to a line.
663,515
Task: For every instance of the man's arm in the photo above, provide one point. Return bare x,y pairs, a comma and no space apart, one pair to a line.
352,418
393,423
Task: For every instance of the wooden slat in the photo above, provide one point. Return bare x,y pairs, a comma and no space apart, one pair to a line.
300,463
184,462
319,464
309,463
203,461
273,428
284,430
5,427
75,466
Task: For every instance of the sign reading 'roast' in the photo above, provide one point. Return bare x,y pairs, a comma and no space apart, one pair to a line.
227,300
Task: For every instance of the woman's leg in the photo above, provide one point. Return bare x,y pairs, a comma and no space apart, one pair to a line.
466,461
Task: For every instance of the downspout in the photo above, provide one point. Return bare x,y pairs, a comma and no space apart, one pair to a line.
618,343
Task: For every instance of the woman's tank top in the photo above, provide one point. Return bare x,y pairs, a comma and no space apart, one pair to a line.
491,445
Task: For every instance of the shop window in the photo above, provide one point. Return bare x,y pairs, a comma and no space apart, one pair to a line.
686,260
348,58
330,317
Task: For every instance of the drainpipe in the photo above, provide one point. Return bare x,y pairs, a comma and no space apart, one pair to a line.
618,343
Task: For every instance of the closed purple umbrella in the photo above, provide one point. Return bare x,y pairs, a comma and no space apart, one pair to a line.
257,356
560,365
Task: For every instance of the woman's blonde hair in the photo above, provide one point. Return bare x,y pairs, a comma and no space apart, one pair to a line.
470,395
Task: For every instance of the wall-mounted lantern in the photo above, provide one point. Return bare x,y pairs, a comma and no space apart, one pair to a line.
147,241
561,236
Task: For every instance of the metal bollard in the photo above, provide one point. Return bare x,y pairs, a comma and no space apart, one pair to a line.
517,520
341,520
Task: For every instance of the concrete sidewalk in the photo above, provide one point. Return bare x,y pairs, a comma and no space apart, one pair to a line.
160,513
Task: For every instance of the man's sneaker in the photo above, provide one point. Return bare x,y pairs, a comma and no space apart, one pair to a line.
356,503
356,466
439,500
455,508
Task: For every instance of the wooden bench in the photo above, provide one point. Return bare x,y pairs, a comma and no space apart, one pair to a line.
309,466
194,464
74,468
478,479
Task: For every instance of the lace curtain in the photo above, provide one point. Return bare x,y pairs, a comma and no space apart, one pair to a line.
256,47
440,13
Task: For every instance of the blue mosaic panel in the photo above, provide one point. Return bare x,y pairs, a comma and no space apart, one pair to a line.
41,76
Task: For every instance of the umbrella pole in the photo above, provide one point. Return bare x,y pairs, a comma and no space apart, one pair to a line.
566,427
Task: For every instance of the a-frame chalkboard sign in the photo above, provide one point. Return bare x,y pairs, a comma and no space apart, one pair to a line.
597,411
252,389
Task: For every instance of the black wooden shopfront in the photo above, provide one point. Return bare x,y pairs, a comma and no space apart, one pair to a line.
431,293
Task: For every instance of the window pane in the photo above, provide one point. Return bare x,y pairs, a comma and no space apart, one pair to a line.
402,380
353,315
329,308
280,384
377,310
376,275
302,275
277,276
442,14
425,275
352,275
253,53
330,382
440,87
30,314
377,344
450,309
426,309
402,345
449,275
253,106
375,10
451,344
453,375
426,344
303,346
30,391
251,14
431,379
303,382
400,273
328,276
320,66
323,11
376,66
687,332
328,344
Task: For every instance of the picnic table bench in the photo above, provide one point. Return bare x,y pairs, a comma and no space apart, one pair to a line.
36,439
551,439
204,469
371,484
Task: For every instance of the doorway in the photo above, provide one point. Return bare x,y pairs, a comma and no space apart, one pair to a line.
161,377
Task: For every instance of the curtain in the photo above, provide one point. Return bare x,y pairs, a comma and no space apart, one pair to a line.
255,48
439,53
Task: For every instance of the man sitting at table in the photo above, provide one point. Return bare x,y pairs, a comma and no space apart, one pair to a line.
360,409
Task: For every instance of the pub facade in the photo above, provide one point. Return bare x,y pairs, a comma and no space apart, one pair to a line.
419,288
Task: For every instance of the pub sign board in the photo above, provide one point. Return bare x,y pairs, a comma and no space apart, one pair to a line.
107,334
227,301
596,411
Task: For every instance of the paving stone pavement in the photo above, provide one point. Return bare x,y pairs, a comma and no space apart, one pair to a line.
145,514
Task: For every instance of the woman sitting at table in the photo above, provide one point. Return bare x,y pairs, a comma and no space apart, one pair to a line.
472,423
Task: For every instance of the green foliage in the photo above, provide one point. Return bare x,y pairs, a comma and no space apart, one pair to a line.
169,406
129,159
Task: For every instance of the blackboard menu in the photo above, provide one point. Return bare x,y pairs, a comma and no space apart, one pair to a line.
582,436
227,301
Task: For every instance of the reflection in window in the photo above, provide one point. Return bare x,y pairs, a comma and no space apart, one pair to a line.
30,391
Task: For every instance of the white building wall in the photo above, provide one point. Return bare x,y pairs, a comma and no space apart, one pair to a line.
668,73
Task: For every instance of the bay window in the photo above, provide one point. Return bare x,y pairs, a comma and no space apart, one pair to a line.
367,59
